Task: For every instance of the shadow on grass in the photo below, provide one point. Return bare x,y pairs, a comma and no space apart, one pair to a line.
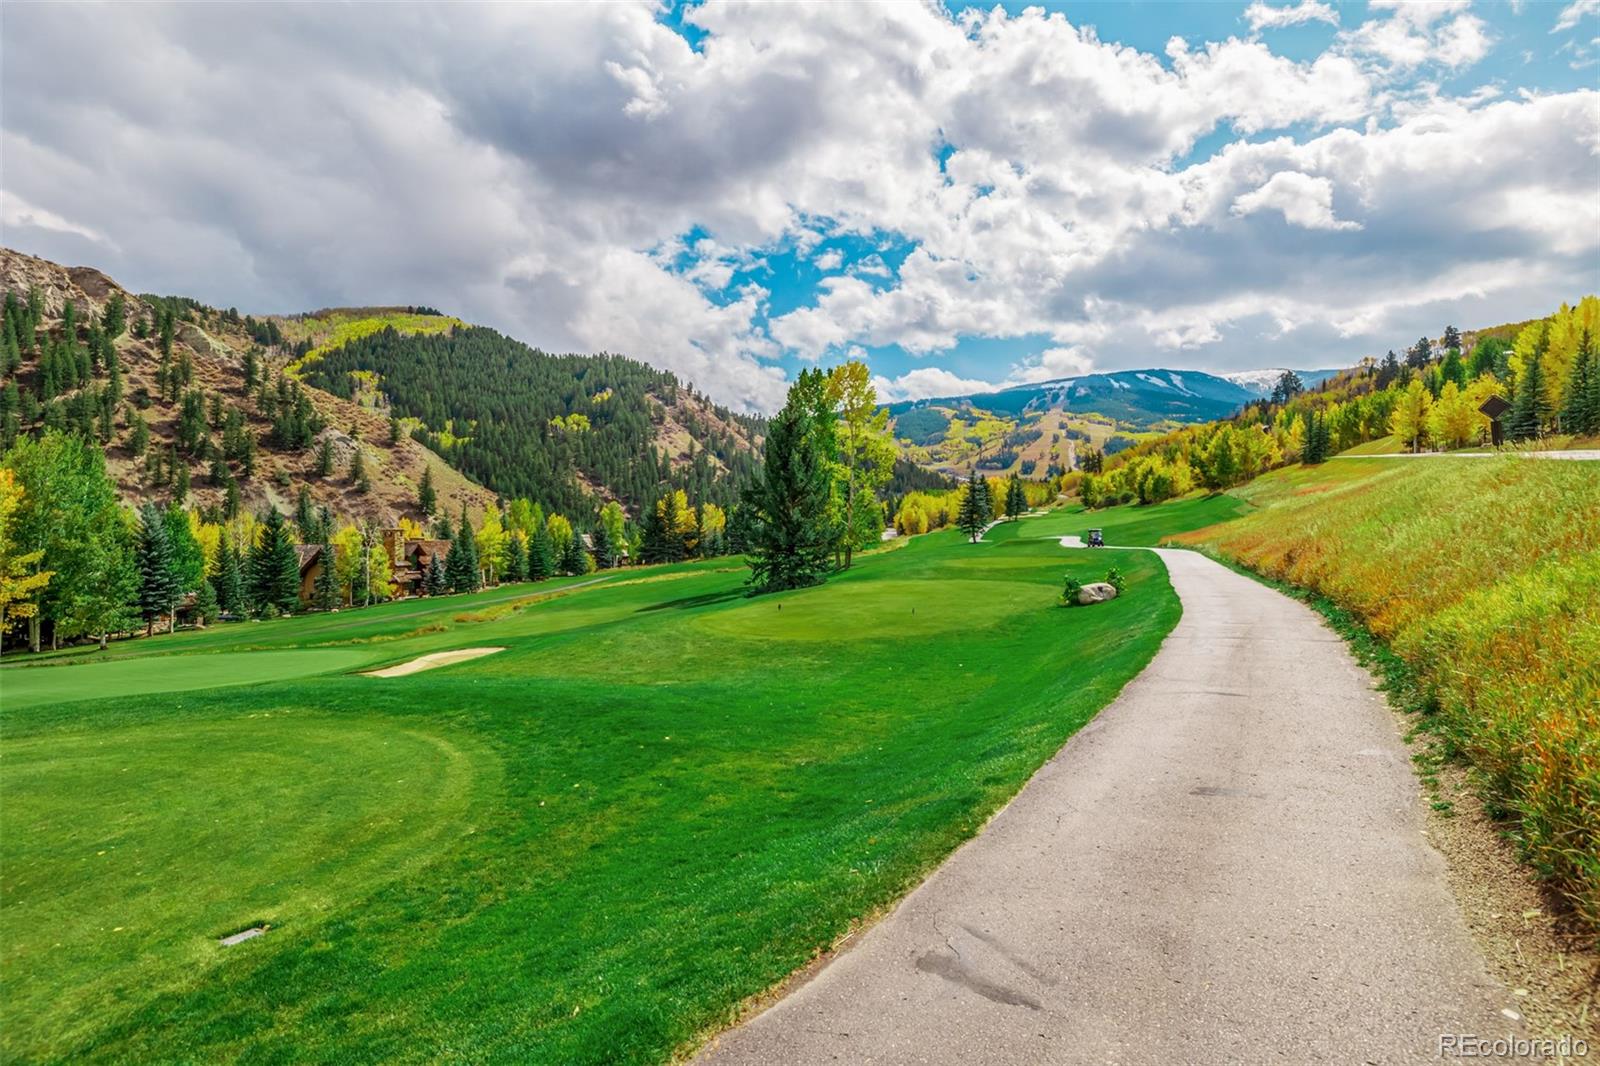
703,600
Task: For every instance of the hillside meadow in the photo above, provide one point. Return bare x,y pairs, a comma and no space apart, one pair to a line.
1484,575
660,799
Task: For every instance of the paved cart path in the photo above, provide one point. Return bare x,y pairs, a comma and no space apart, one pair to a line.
1226,865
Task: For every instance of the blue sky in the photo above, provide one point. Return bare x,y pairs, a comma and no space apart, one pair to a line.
964,197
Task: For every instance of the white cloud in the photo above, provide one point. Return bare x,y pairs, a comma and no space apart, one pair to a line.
1262,15
1573,12
537,168
926,383
1302,199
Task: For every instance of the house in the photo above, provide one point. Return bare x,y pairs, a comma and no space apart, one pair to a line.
311,564
410,560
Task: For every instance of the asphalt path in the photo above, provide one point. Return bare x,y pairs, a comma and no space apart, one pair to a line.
1227,865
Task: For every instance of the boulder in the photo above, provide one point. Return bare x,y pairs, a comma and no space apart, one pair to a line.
1096,592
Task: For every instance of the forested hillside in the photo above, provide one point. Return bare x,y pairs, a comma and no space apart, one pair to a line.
567,431
188,405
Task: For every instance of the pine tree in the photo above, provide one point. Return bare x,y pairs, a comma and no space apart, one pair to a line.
228,580
974,512
427,498
791,537
158,576
541,554
436,583
603,551
206,607
1529,409
461,566
180,483
327,584
325,458
1579,415
572,559
275,567
1016,497
516,559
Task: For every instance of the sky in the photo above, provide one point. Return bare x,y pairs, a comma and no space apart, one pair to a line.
967,197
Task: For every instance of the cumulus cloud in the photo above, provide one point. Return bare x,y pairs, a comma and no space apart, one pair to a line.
582,178
1264,16
926,383
1302,199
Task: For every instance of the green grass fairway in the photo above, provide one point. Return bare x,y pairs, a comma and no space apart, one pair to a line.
659,800
26,686
1129,526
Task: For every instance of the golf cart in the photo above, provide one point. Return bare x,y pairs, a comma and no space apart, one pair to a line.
1096,539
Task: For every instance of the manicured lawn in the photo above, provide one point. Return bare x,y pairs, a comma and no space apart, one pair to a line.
661,798
82,680
1129,525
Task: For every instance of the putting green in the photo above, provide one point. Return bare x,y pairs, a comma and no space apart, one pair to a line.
27,686
846,611
285,818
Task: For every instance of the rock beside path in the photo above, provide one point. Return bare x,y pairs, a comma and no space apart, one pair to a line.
1096,592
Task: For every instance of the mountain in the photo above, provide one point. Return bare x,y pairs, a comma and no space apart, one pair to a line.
564,430
1260,382
260,402
1138,397
214,408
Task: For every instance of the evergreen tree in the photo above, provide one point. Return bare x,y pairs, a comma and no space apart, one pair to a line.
461,566
327,583
305,517
427,498
791,537
516,559
1579,414
180,483
1016,497
604,552
358,469
436,583
206,607
541,554
572,559
228,580
1529,409
158,577
325,458
275,567
974,512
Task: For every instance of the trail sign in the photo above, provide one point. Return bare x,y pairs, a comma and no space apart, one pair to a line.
1492,409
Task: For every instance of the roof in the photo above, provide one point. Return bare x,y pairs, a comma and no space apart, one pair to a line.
307,554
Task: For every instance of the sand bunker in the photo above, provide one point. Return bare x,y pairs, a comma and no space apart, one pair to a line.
428,662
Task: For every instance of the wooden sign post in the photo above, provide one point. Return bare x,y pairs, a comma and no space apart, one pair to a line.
1493,408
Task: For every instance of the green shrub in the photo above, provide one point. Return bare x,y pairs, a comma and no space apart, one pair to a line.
1115,579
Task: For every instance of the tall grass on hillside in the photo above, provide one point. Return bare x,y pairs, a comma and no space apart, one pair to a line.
1485,576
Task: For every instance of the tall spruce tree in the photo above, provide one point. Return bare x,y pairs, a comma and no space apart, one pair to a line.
327,584
158,575
461,565
275,567
427,497
974,512
541,554
516,559
1016,497
1578,415
228,580
791,534
573,557
1529,409
436,583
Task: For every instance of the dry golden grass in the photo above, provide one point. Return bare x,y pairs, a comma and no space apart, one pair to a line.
1485,577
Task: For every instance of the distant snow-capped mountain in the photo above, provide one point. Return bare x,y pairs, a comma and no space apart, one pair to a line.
1261,382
